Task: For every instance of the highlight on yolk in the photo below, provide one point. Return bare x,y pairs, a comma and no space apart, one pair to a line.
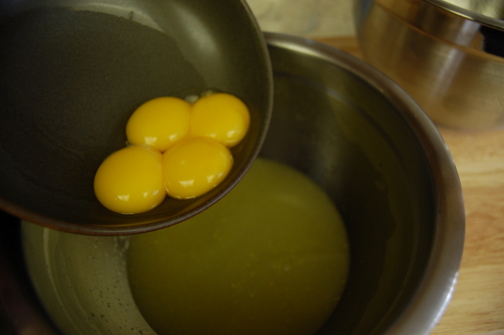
130,180
159,122
193,166
220,116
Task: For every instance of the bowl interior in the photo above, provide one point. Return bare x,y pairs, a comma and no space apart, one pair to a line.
73,71
357,144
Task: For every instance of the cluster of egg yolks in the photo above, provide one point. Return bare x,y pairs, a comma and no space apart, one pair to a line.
192,142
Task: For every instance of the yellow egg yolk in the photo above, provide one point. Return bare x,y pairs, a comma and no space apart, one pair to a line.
220,116
130,180
193,166
195,140
159,122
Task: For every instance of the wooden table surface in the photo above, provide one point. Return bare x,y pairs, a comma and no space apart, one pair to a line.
477,306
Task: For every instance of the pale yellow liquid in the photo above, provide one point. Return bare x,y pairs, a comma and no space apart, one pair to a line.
270,258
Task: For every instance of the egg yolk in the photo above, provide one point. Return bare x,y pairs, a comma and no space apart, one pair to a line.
177,149
220,116
193,166
159,122
130,180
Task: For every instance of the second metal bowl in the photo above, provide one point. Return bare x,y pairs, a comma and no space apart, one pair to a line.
448,55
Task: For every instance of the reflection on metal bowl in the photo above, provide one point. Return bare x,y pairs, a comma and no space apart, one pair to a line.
448,55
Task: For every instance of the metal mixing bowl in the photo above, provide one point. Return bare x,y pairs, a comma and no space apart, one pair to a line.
73,71
448,55
368,145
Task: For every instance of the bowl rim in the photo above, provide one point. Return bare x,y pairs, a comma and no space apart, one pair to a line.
437,285
468,14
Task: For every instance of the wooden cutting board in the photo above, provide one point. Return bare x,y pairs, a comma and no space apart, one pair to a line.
477,306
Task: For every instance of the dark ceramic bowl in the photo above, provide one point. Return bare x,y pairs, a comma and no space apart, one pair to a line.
366,143
70,78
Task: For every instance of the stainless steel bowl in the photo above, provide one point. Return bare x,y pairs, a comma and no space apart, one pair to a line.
379,158
448,55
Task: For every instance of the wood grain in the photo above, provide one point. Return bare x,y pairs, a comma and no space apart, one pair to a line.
477,305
